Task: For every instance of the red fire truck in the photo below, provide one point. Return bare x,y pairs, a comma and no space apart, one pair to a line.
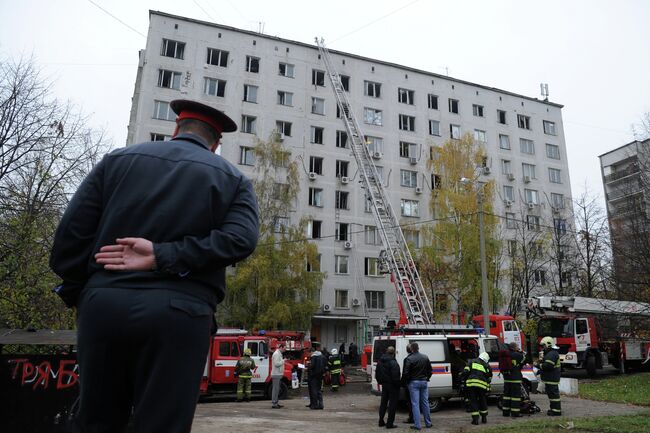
225,349
505,328
595,333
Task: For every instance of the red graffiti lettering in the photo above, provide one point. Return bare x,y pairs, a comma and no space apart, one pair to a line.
28,370
70,375
18,363
42,376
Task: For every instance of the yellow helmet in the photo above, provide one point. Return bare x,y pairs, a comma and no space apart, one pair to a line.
247,351
547,342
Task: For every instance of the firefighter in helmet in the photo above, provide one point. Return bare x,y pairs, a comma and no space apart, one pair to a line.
334,364
512,382
551,369
244,371
477,377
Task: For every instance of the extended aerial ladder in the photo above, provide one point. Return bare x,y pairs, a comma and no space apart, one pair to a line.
412,299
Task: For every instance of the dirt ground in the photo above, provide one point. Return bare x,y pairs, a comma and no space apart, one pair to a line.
354,409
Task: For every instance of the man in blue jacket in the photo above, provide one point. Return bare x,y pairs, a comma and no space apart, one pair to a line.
142,250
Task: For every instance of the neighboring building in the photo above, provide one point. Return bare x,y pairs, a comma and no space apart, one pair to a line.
270,84
626,181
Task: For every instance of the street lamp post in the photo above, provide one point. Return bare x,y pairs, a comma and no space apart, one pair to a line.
484,287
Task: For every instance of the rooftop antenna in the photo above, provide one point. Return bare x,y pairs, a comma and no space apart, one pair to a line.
260,27
544,89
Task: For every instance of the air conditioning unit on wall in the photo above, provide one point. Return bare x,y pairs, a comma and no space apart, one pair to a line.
345,180
377,155
356,302
347,245
418,190
327,307
312,175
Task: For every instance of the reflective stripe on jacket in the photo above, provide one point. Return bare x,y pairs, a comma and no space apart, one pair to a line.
479,374
551,367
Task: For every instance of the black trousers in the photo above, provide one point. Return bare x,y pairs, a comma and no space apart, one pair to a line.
553,393
477,401
389,398
140,351
511,397
315,385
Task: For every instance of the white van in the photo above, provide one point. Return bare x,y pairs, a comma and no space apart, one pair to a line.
447,366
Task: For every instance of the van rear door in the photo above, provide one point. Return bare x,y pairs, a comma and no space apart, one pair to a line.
440,383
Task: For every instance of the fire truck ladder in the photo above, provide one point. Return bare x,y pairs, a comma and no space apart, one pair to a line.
412,298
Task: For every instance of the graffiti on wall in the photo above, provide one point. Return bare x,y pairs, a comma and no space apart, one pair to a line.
55,374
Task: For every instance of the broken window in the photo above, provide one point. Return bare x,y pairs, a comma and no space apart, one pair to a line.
372,89
316,165
217,57
453,105
341,139
342,200
173,49
523,121
501,117
314,229
405,96
169,79
160,137
316,134
252,64
432,101
372,116
342,232
317,77
342,168
345,82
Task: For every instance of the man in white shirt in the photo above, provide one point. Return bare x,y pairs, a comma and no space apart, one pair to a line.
277,371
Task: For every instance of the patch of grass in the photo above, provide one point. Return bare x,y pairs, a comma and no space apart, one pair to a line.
606,424
630,389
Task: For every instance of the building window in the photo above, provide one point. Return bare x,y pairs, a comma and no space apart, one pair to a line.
408,178
316,135
528,170
345,82
173,49
372,116
477,110
375,300
286,70
252,64
523,121
160,137
342,232
526,146
531,196
557,200
552,151
341,200
435,181
375,144
318,106
512,247
318,77
162,111
341,139
341,267
506,166
314,229
434,127
405,96
406,123
412,237
510,220
250,93
280,224
566,278
314,266
246,155
371,235
407,150
217,57
509,193
532,221
480,136
280,190
501,117
554,175
549,127
560,226
169,79
540,277
370,268
341,300
214,87
285,98
316,197
372,89
316,165
248,124
504,141
342,168
410,208
453,105
283,127
454,131
432,101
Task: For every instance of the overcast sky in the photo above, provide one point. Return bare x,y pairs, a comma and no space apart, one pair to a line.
594,55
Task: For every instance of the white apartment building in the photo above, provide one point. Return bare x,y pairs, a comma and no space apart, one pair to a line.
272,84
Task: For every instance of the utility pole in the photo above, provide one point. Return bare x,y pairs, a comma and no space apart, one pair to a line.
484,288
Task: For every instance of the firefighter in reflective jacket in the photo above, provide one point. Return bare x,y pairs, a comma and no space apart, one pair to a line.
551,370
512,383
244,371
334,364
477,376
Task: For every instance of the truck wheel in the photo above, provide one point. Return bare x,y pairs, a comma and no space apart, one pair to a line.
435,404
590,365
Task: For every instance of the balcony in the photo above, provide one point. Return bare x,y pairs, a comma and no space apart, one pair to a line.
619,174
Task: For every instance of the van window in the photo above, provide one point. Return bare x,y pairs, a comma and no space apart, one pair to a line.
435,350
492,348
380,348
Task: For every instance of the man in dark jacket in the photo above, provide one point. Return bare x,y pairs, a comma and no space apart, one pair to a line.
316,370
477,376
551,370
388,376
180,215
417,372
512,383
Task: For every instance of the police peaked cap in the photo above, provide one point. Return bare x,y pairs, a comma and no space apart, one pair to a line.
218,120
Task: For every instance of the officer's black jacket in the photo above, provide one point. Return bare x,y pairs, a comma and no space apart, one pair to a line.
551,367
198,209
387,371
517,362
416,367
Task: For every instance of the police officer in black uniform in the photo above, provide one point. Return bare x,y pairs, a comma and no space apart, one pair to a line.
142,250
551,371
512,383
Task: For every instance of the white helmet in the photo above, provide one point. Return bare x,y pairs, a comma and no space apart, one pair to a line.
485,357
335,352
